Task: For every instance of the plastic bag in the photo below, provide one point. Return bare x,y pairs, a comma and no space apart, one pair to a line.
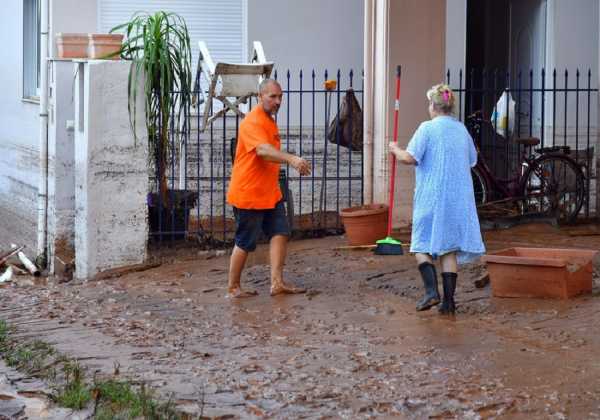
503,116
347,127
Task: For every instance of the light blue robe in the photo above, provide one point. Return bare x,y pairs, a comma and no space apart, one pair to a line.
444,212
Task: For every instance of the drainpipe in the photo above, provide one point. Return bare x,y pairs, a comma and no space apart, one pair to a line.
598,136
42,234
369,61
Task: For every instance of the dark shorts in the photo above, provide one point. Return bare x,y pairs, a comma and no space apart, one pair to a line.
249,224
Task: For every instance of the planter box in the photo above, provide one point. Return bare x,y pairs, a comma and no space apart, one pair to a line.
71,45
105,46
540,272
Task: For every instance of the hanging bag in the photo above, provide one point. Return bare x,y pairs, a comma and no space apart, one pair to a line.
347,127
503,116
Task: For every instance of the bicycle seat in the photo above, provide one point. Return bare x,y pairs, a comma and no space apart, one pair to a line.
554,149
528,141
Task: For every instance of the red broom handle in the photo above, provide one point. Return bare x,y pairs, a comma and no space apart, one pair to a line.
393,157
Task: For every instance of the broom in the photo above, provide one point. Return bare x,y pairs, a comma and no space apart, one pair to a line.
390,246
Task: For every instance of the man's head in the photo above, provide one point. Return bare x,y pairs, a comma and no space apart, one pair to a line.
270,96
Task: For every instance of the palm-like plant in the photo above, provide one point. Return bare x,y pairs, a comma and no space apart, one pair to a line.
159,46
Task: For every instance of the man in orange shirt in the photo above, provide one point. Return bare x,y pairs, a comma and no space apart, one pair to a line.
254,191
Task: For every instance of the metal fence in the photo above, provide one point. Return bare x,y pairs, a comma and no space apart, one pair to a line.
558,108
199,166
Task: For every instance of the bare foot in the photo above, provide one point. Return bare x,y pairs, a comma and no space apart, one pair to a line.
284,289
239,293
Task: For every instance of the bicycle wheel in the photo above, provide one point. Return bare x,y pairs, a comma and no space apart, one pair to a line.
554,186
480,188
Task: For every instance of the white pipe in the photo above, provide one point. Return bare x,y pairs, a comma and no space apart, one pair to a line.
42,233
7,275
31,267
368,100
28,264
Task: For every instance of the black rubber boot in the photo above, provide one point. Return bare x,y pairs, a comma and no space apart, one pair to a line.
432,296
448,307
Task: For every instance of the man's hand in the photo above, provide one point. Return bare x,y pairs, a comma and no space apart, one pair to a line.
299,164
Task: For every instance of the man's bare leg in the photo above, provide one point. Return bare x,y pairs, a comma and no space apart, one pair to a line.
278,251
236,266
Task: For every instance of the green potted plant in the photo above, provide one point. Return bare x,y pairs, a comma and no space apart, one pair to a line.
159,47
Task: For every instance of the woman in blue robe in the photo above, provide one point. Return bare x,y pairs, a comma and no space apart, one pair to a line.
445,222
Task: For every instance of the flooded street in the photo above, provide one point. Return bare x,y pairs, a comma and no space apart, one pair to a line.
352,347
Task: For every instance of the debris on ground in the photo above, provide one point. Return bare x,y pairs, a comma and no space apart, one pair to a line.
351,347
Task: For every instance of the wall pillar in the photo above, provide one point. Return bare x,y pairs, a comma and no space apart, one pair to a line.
111,172
410,33
61,165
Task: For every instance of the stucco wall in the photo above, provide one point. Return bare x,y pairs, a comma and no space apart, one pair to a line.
111,175
417,42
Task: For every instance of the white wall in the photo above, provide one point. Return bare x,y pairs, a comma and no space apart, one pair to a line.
572,43
573,35
309,34
18,138
19,121
72,16
456,38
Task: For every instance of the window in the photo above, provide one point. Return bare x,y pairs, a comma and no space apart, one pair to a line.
31,48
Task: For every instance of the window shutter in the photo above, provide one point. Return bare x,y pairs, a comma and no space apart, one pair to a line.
220,23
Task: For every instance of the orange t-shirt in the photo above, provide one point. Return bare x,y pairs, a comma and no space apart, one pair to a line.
255,181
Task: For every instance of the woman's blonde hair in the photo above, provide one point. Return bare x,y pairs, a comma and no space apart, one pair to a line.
442,98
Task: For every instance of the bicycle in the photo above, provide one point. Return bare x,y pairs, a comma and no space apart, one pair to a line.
547,182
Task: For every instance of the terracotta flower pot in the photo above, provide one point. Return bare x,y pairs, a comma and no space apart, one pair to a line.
365,224
71,45
105,46
540,272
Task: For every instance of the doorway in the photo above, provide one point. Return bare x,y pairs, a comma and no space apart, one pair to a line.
505,39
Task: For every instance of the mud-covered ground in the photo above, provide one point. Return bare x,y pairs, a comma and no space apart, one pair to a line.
352,347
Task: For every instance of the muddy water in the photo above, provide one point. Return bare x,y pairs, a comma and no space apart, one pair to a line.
353,347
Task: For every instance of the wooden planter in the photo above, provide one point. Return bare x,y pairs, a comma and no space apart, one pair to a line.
105,46
540,272
71,45
365,225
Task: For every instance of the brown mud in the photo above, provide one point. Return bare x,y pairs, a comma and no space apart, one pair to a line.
351,347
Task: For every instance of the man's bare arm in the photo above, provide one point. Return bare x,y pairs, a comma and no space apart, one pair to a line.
271,154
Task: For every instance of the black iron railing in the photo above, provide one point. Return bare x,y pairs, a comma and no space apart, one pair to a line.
200,164
555,107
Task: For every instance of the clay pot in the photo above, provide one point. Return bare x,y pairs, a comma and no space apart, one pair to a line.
366,224
540,272
72,45
105,46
